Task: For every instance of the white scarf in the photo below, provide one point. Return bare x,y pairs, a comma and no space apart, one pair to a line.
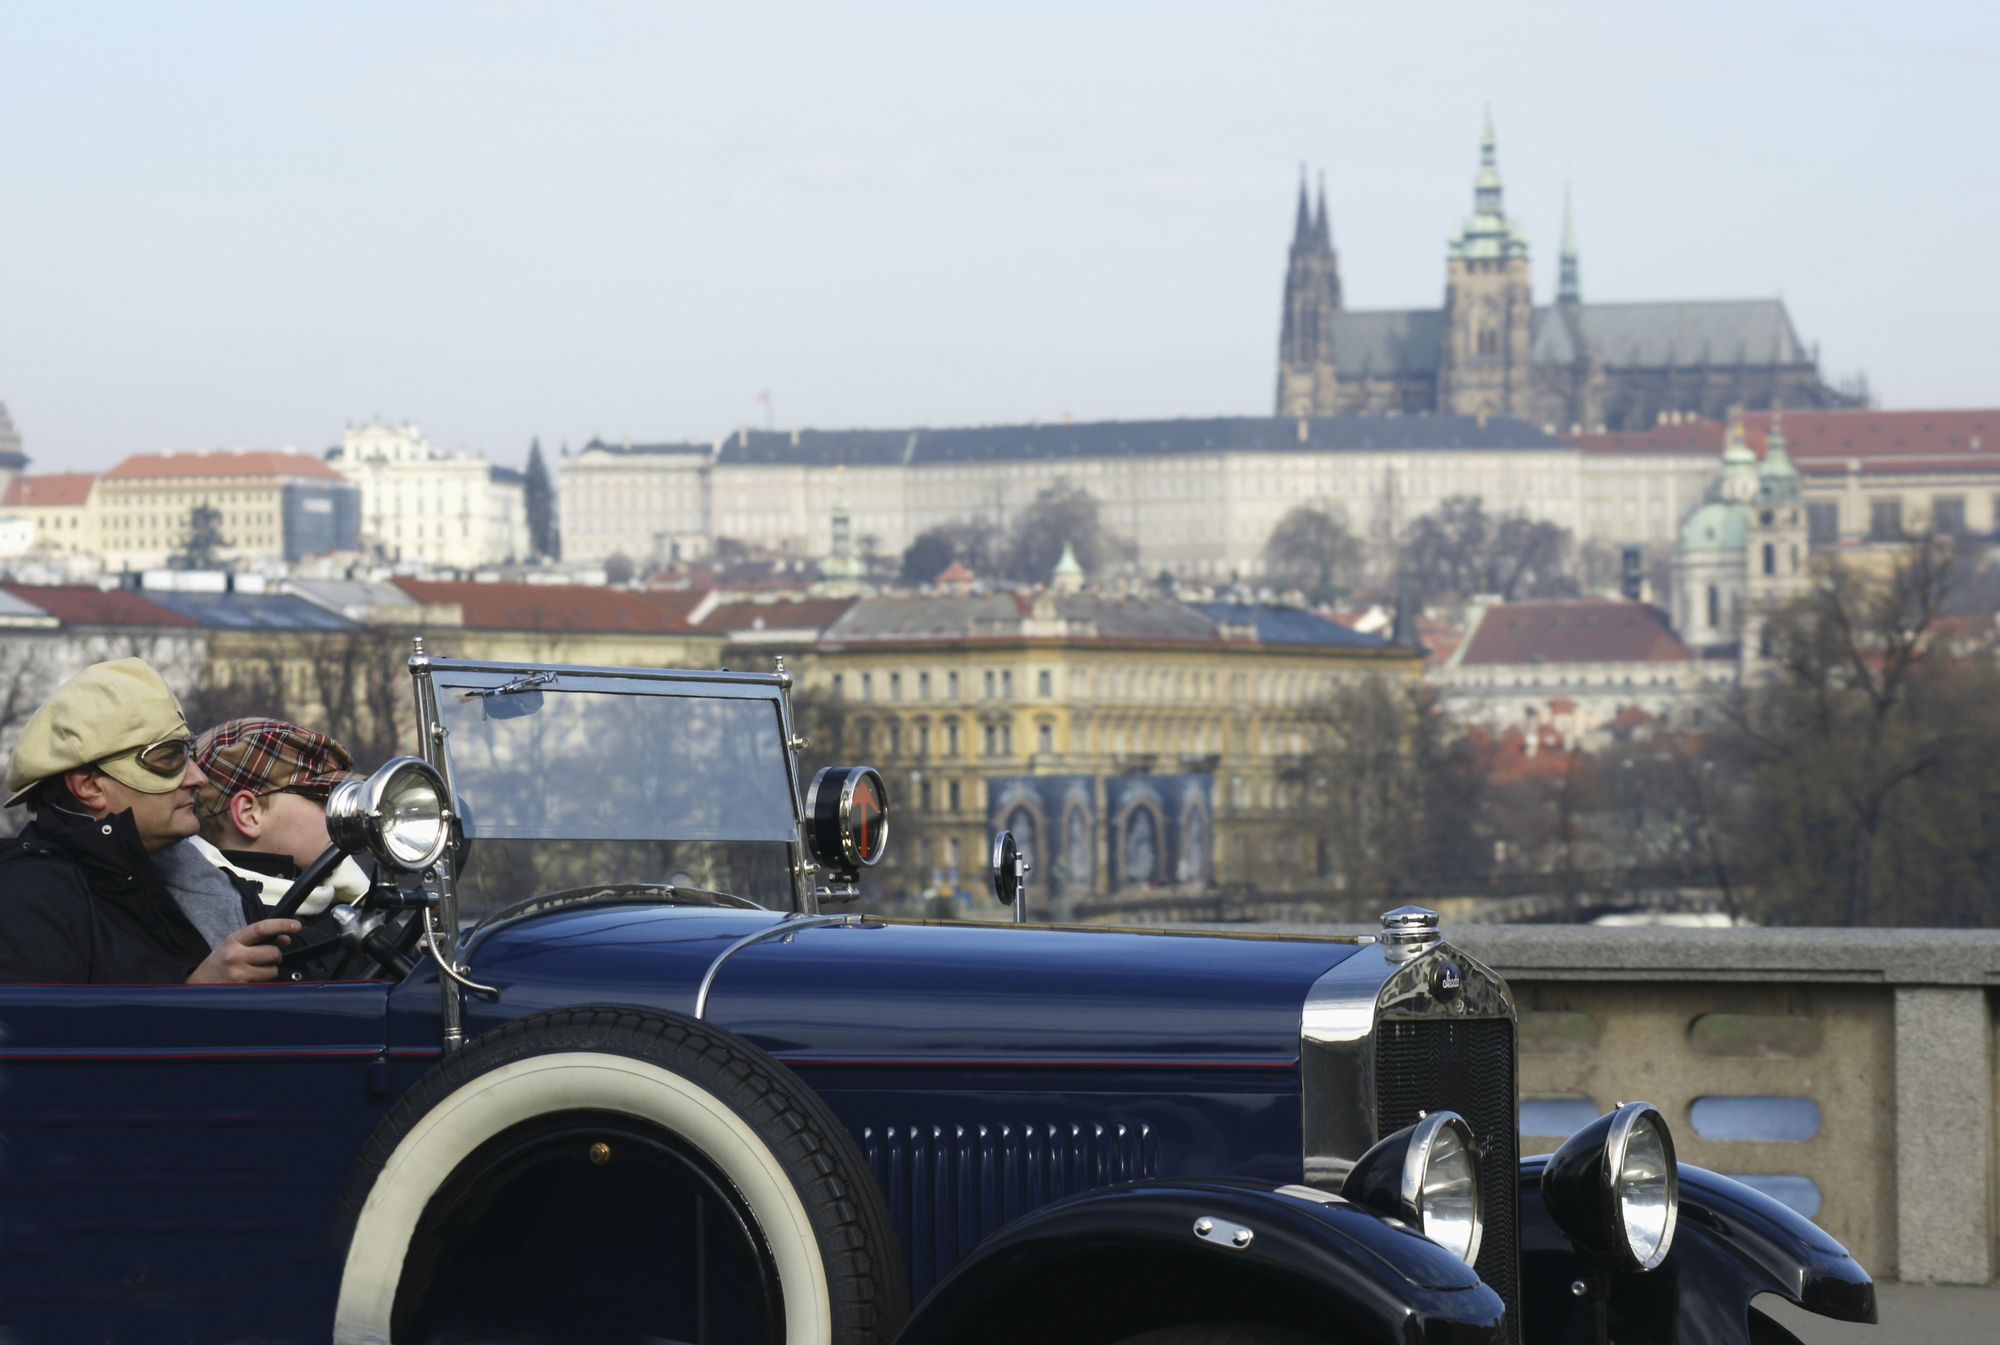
347,883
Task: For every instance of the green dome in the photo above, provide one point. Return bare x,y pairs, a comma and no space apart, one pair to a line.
1722,526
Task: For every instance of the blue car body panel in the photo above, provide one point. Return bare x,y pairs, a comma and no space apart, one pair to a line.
173,1154
984,1071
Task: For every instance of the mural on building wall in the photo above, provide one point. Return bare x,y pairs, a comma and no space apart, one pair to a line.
1160,829
1155,830
1054,821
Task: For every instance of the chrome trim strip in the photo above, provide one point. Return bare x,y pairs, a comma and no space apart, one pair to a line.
787,924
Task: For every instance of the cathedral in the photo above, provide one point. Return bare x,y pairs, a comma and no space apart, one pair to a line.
1568,366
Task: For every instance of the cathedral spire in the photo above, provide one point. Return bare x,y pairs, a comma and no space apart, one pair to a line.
1486,186
1322,231
1569,290
1302,230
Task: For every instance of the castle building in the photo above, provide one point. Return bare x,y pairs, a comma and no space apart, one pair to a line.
1491,351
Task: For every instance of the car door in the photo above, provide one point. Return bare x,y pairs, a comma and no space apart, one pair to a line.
170,1156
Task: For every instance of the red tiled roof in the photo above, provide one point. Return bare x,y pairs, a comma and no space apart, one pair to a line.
1823,442
53,488
954,573
82,605
803,614
1690,436
679,602
259,462
1590,630
562,607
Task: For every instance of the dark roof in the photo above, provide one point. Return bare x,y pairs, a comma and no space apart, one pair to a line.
557,607
512,476
1129,438
1392,341
1723,331
251,611
1386,341
1288,625
83,605
1588,630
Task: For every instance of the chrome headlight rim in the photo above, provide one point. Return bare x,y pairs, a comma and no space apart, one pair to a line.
356,816
1626,1122
1588,1184
1392,1176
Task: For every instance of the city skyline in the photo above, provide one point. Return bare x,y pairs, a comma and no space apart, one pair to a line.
631,223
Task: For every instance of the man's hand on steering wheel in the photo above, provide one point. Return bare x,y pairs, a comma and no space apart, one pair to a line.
250,954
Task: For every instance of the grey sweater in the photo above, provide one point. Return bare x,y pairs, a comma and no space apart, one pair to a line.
209,897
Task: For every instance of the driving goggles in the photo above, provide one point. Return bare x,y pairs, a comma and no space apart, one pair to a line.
169,756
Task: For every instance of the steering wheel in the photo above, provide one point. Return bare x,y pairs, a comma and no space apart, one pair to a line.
383,946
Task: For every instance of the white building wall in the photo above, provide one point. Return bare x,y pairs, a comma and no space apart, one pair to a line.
419,503
1203,515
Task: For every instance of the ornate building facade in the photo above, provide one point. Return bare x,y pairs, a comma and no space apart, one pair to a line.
1490,350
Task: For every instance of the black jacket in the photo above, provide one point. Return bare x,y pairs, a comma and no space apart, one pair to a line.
80,901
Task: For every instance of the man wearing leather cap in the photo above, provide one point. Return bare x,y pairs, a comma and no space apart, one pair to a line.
106,768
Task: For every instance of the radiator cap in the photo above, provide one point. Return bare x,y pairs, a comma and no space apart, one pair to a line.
1409,930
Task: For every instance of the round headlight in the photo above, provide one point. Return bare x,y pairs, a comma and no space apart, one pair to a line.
1427,1175
1615,1189
397,815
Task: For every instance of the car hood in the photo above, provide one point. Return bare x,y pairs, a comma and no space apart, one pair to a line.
875,991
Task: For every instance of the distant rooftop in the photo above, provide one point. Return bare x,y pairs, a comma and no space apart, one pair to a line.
1107,439
221,462
50,489
1586,630
250,611
573,608
1822,443
85,605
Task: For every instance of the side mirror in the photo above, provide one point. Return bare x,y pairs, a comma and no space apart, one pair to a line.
1010,875
847,826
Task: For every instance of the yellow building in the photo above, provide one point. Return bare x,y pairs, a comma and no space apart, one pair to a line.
1129,744
270,505
55,508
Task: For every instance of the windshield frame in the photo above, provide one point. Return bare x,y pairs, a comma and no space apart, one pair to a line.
438,677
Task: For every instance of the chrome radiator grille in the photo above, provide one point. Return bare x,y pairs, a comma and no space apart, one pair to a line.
1464,1065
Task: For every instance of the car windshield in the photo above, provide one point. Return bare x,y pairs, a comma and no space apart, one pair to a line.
588,780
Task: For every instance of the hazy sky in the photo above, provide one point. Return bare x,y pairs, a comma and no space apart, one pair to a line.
252,224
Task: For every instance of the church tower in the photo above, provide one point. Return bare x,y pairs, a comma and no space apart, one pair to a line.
1487,338
1775,555
1307,384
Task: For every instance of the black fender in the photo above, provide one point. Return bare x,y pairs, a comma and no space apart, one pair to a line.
1732,1243
1125,1259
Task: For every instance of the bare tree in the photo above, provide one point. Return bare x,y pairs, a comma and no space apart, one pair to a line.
1460,550
1314,549
1861,710
1062,515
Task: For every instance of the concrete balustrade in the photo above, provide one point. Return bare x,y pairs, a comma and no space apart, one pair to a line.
1891,1034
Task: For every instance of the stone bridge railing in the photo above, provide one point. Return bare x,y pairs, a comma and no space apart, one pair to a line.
1850,1073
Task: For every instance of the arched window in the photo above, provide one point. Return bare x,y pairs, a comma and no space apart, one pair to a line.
1770,558
1714,607
1489,341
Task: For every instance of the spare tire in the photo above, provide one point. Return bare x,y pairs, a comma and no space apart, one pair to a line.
605,1174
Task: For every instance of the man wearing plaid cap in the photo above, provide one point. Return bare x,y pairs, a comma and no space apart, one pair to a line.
263,808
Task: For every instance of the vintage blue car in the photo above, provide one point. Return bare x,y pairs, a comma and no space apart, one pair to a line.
600,1066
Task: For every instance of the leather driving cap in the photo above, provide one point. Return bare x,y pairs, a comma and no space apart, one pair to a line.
262,755
105,711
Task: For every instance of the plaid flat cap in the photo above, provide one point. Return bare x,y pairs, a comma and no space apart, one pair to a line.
264,755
